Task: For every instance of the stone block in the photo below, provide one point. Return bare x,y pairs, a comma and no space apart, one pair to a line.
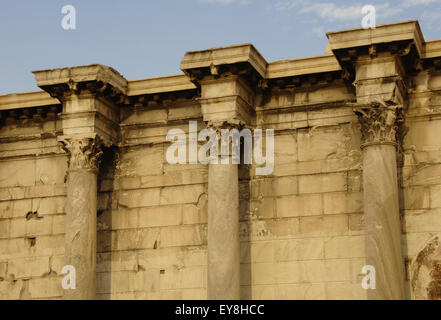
422,221
285,186
48,206
321,144
49,245
324,225
33,227
194,294
48,287
141,161
167,215
51,170
10,290
337,203
331,182
416,198
187,235
327,270
285,149
139,198
345,290
356,222
345,247
28,267
194,214
297,206
181,194
59,224
17,173
299,249
4,228
145,281
307,291
117,261
263,208
124,218
15,209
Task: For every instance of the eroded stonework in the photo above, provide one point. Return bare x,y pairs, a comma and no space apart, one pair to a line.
85,181
83,153
378,123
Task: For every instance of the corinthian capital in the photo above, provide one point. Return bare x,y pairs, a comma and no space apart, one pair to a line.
84,152
379,123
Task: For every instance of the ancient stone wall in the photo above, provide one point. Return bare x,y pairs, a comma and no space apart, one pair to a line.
85,180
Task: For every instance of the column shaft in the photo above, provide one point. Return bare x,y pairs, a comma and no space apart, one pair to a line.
382,221
81,213
223,232
80,239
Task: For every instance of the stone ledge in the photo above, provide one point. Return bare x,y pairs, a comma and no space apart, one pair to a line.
26,100
432,49
89,73
391,32
223,56
159,85
302,66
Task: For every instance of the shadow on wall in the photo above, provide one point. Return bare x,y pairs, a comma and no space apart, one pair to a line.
244,234
104,222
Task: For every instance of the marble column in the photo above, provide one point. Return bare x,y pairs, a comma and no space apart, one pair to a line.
223,231
81,214
381,200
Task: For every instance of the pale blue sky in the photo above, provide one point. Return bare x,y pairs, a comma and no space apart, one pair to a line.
146,38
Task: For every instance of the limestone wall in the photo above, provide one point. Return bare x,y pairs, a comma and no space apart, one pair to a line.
32,209
152,228
302,228
303,237
421,182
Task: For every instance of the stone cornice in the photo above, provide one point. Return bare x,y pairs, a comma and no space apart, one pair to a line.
240,60
159,85
244,53
385,33
30,115
96,79
432,49
26,100
302,66
403,39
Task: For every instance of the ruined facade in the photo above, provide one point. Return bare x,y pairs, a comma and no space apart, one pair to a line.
84,179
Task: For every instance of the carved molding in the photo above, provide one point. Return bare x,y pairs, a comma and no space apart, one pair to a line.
84,153
229,125
63,92
379,123
425,271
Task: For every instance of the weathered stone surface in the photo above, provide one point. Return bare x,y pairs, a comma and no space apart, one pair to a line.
137,227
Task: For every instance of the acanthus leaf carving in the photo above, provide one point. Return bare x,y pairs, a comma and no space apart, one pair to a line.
379,123
84,152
